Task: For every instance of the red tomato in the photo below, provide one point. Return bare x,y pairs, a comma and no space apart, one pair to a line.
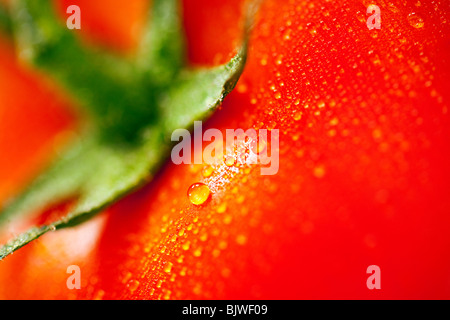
363,179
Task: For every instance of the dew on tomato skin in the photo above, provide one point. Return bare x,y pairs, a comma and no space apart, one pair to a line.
319,171
180,259
227,219
186,245
127,277
203,237
222,207
168,267
271,125
241,239
198,252
229,160
263,61
297,115
392,7
223,245
133,285
207,171
415,21
216,253
99,295
198,193
225,272
167,295
197,289
334,121
261,146
194,168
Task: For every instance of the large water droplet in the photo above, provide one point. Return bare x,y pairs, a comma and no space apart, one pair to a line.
198,193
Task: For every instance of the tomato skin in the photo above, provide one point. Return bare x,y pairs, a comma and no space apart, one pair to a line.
363,175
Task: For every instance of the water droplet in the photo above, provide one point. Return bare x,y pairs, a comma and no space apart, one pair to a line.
263,61
376,134
227,219
297,115
262,145
167,295
204,237
279,60
392,7
127,277
133,285
415,21
99,295
186,245
225,272
241,239
198,193
271,125
319,171
168,267
242,88
198,252
334,121
223,245
230,161
222,207
207,171
194,168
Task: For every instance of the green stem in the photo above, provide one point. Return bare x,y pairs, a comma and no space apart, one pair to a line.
161,53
